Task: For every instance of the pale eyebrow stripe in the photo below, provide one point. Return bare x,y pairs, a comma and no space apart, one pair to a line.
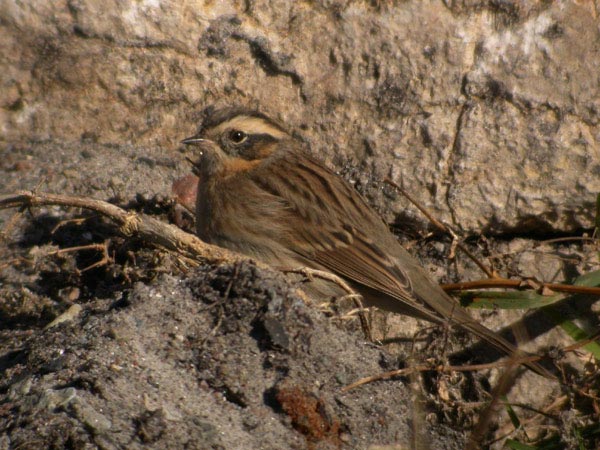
251,125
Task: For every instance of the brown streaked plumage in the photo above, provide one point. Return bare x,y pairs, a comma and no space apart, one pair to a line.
262,195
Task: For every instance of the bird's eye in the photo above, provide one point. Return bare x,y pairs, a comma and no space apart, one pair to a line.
237,137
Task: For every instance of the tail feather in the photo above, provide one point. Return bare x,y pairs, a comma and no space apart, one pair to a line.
501,344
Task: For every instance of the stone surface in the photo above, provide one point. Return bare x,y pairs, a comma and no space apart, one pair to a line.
487,112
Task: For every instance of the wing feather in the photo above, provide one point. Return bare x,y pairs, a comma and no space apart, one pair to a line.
336,238
329,223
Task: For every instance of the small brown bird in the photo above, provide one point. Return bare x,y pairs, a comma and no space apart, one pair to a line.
262,195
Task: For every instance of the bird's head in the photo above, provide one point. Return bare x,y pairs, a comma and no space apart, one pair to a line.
234,138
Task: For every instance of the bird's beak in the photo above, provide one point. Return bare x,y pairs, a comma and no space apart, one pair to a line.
194,140
210,156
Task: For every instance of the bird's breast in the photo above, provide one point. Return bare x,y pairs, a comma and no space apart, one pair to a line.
236,214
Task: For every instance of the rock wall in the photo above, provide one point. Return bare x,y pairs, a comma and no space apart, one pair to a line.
488,112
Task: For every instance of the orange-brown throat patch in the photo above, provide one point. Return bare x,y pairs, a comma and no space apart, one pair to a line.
237,166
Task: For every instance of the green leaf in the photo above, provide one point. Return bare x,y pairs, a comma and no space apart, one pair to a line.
511,413
507,300
516,445
530,299
574,331
590,279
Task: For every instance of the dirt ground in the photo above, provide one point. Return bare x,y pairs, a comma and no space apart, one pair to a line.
166,357
156,354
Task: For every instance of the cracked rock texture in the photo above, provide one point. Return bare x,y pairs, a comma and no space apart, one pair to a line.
487,112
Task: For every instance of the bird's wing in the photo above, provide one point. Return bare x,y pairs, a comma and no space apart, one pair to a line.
329,222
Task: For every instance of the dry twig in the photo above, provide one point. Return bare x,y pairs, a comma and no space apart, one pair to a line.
519,284
351,293
426,368
494,281
149,229
445,229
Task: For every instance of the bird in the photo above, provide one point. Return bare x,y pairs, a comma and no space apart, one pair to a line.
261,193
